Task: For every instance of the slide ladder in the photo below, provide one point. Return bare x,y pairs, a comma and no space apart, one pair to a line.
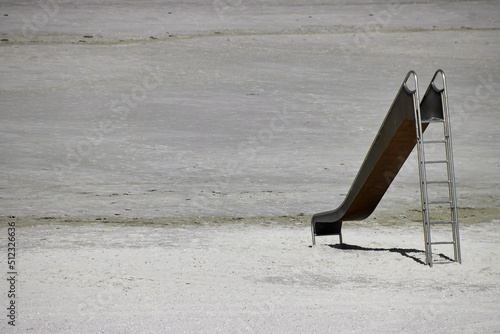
434,110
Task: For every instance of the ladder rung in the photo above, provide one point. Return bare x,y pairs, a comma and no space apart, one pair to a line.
442,222
434,141
443,262
436,161
437,182
439,202
443,243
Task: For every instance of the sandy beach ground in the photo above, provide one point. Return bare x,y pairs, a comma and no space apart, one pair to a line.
161,162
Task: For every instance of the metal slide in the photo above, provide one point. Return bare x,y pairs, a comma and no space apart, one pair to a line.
391,147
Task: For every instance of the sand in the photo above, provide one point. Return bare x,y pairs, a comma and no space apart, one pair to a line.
250,275
162,162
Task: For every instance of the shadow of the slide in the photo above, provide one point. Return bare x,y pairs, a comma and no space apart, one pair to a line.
409,253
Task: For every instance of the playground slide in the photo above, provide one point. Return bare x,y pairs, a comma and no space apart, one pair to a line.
391,147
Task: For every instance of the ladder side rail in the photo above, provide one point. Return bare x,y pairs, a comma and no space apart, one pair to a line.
450,170
422,175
